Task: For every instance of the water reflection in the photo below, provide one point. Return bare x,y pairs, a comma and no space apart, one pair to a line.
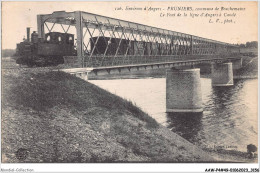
186,125
224,95
227,101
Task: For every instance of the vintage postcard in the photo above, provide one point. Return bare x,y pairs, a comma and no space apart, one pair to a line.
112,84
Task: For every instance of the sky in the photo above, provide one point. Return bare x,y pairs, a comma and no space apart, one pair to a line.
16,16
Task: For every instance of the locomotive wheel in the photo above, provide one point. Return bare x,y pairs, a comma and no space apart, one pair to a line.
18,61
41,61
41,64
30,64
55,60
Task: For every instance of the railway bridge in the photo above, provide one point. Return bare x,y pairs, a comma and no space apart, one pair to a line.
109,45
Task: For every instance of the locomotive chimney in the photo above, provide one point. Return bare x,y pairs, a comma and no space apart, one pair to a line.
28,34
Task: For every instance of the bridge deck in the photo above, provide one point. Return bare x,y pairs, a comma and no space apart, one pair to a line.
176,62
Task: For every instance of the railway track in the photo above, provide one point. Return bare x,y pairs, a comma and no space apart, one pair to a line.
10,64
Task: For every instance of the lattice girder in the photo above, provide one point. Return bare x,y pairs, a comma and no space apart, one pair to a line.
128,38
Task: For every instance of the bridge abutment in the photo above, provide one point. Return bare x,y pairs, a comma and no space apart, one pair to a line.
82,75
222,74
183,91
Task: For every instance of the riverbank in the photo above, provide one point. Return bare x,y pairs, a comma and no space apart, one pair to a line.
230,155
55,117
249,69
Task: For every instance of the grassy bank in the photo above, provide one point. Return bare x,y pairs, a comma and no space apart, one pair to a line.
56,117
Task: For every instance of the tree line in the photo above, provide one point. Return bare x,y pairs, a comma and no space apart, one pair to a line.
8,52
251,44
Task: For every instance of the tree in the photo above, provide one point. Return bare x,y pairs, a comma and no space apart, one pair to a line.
8,52
253,44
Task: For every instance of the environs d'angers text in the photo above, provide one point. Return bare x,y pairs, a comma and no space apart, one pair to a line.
177,8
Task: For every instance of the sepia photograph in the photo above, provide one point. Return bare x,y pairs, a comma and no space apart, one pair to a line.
120,83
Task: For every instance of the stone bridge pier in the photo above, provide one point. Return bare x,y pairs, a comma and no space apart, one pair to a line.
183,87
237,63
222,74
183,90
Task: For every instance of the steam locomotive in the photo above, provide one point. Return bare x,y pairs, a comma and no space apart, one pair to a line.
45,52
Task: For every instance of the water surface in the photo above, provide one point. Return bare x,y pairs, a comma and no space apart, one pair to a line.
229,119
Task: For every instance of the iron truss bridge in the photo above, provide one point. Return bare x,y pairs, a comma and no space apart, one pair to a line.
103,41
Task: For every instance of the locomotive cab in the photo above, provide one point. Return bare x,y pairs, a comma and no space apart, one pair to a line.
47,51
59,38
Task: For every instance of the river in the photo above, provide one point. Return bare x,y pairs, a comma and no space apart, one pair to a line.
229,119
